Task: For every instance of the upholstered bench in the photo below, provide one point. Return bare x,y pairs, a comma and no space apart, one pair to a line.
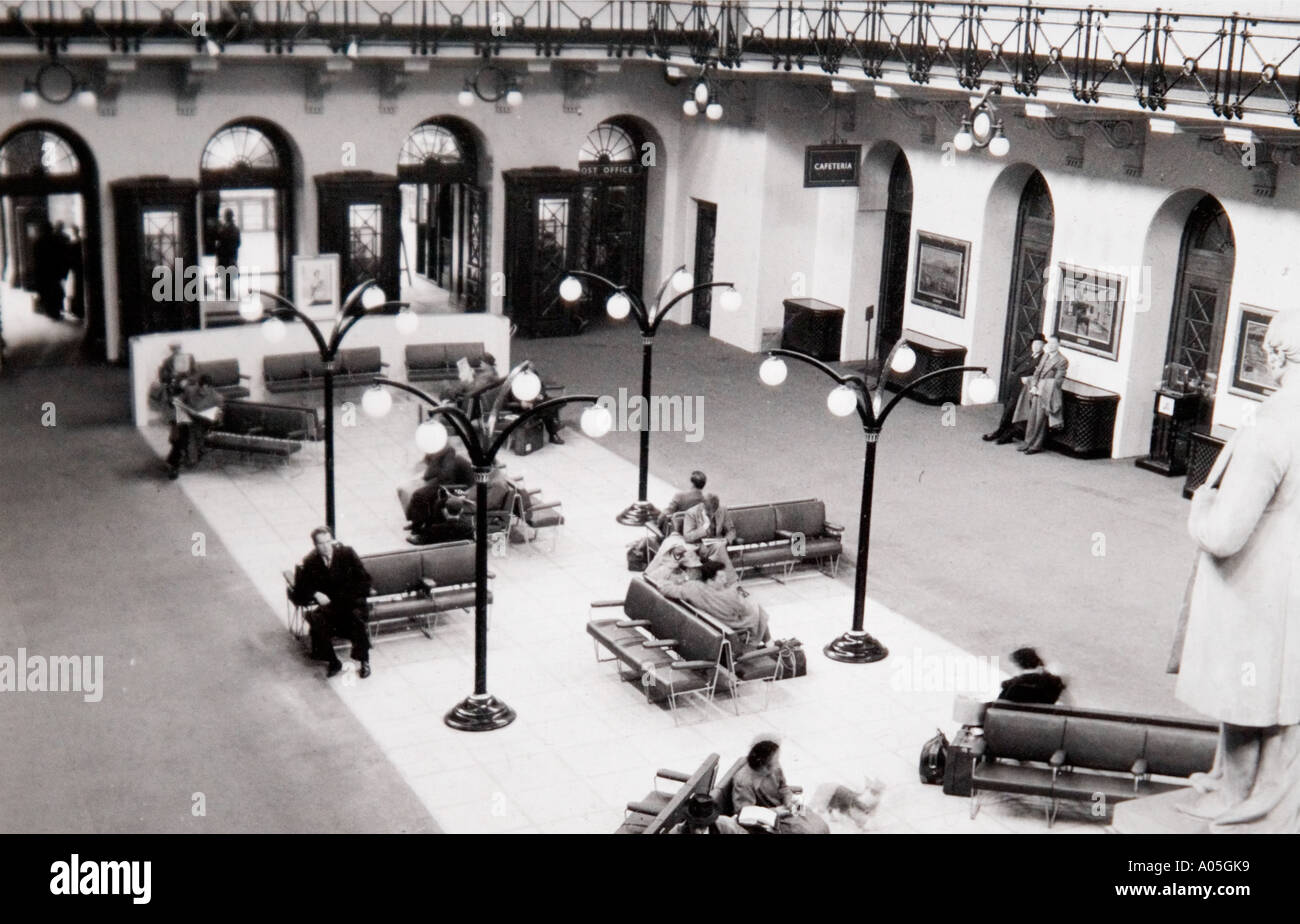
226,377
274,429
659,812
438,361
767,534
1085,755
304,371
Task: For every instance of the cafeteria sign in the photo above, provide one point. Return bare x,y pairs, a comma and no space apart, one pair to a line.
831,164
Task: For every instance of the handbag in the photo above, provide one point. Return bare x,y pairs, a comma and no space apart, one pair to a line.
934,755
792,660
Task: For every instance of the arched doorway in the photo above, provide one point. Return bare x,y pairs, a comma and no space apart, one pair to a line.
51,242
591,219
444,216
893,260
1030,270
247,209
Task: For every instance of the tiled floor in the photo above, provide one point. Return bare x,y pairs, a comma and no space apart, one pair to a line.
585,743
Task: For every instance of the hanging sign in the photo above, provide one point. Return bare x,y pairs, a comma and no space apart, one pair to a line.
611,169
831,165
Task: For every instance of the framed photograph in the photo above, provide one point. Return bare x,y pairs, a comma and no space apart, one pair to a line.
316,285
941,265
1089,309
1250,377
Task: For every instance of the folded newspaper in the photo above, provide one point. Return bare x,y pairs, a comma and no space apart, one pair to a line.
755,816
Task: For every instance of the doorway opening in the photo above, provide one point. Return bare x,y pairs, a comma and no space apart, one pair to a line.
1030,270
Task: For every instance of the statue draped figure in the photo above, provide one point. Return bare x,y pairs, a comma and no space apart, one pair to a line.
1241,653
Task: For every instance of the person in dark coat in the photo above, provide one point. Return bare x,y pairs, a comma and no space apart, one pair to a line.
227,248
442,469
333,577
1034,684
1005,432
197,409
50,256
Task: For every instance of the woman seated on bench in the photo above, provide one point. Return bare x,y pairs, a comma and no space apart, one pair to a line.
709,584
761,782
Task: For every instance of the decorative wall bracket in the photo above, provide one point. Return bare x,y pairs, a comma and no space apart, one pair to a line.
189,83
108,84
922,115
392,81
577,81
318,80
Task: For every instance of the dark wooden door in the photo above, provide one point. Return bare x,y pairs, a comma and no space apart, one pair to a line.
158,281
706,229
1205,266
1030,270
893,262
358,219
541,246
474,242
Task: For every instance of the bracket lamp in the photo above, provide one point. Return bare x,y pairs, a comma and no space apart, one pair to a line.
982,128
499,84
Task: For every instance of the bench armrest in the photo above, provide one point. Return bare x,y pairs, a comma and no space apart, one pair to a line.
549,505
645,808
1139,767
674,775
660,643
768,652
296,435
692,665
834,528
1057,759
600,603
245,376
429,583
979,748
255,431
632,623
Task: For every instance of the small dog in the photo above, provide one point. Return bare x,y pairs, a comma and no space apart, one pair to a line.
838,800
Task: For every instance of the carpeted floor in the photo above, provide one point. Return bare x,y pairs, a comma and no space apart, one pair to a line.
203,691
987,547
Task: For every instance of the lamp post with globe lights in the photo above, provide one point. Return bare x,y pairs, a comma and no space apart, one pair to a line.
364,300
622,302
480,711
851,393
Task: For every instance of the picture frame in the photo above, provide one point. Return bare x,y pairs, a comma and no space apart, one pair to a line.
316,285
1090,310
1250,378
939,281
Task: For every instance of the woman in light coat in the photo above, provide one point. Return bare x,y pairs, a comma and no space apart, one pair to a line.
1241,656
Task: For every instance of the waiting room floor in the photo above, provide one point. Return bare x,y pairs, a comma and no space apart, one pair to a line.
585,743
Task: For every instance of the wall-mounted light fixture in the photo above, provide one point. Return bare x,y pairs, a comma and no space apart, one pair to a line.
56,84
501,84
981,128
703,98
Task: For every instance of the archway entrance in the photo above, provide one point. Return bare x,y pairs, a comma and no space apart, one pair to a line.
1030,270
50,246
444,217
893,261
247,210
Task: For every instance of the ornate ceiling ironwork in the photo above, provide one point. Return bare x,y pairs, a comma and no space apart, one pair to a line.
1235,66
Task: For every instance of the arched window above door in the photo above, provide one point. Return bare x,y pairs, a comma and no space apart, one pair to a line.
608,143
37,153
240,147
1208,228
429,144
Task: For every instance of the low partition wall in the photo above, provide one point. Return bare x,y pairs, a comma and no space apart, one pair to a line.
248,345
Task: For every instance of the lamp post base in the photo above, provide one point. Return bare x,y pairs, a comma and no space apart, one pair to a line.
479,713
640,513
856,648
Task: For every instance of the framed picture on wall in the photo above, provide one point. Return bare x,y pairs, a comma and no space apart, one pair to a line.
1089,309
1250,377
941,265
316,283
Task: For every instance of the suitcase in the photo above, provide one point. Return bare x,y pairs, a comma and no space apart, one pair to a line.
958,764
529,437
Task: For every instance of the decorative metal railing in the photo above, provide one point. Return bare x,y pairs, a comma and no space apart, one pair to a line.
1234,65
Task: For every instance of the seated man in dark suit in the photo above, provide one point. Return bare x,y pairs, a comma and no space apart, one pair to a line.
442,469
448,525
333,577
683,501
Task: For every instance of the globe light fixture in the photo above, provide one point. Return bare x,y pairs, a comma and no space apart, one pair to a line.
701,93
466,96
373,297
86,98
213,49
571,289
526,386
963,141
981,124
274,330
714,111
28,99
407,322
982,389
618,306
1000,145
730,300
842,401
682,280
431,436
773,371
688,106
250,307
596,421
904,360
514,97
376,402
